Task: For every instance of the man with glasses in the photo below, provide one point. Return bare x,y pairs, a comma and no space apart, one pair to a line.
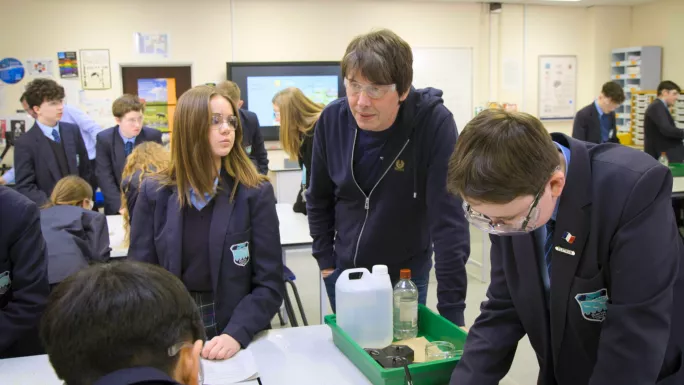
51,149
116,143
660,132
155,338
596,122
586,256
378,180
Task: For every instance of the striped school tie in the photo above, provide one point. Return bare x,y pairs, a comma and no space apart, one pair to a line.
548,245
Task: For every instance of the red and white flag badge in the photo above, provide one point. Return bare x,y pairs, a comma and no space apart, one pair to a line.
569,238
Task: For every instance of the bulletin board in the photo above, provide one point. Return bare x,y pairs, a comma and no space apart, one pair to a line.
557,87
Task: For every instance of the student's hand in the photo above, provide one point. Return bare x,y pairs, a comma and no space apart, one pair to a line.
2,181
326,272
220,348
121,211
464,328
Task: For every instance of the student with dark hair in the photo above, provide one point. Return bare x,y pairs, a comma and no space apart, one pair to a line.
116,143
75,235
586,257
595,123
661,135
211,220
252,140
378,177
23,275
51,149
155,338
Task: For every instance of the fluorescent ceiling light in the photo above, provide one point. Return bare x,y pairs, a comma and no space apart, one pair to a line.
565,0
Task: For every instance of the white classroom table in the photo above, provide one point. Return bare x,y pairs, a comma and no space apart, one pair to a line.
678,187
290,356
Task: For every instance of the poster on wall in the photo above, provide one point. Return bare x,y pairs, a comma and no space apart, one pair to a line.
17,127
95,71
11,70
68,64
152,44
39,67
157,91
557,87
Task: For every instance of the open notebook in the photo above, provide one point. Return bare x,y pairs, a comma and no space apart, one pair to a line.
241,367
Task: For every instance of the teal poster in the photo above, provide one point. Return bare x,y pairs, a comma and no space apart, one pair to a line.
11,70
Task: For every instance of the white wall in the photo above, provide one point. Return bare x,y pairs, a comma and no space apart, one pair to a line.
276,30
662,24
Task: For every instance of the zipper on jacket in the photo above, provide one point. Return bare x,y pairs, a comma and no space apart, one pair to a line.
366,205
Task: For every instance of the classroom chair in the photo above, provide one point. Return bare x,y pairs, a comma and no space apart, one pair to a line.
289,278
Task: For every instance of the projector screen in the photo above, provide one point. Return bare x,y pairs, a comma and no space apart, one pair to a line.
259,82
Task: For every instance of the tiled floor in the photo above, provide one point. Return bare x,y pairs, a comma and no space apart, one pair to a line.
524,369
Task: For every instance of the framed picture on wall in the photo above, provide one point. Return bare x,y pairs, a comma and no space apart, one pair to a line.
95,71
557,87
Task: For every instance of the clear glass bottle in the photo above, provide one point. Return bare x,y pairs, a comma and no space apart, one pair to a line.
663,159
405,307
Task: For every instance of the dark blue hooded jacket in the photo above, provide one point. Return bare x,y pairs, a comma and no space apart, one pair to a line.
408,210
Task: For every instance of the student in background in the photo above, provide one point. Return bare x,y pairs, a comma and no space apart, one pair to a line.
23,275
211,220
88,127
75,235
116,143
51,149
586,257
145,160
378,177
252,140
660,132
595,123
297,116
155,339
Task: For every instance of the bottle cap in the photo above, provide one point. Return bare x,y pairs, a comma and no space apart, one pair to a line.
405,274
380,270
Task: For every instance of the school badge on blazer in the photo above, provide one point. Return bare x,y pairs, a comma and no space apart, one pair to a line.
399,165
240,253
594,305
248,150
5,282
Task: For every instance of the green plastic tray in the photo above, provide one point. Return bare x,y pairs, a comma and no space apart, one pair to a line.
677,169
432,326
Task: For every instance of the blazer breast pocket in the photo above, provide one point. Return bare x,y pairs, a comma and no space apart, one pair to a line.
239,248
587,309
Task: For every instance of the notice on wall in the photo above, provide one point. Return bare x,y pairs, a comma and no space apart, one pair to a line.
68,64
39,67
557,87
95,71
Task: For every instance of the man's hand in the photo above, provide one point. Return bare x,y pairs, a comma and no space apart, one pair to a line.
326,272
220,348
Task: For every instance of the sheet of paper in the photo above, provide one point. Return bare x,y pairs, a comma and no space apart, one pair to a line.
418,346
241,367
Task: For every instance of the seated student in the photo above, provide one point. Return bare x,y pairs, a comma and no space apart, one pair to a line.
660,132
116,143
211,220
23,275
595,123
146,159
155,339
51,149
297,116
586,257
252,140
75,235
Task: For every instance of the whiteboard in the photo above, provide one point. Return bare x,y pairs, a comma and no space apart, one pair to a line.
557,87
450,70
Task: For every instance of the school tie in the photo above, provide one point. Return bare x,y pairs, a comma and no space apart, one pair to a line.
548,245
55,135
128,148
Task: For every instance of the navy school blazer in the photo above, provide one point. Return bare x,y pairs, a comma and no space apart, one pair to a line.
617,204
110,162
587,125
36,168
247,288
75,237
23,273
253,141
661,134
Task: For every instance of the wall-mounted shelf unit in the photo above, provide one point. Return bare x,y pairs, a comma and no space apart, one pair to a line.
635,69
678,112
640,101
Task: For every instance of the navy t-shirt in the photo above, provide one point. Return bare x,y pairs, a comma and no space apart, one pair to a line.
367,161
